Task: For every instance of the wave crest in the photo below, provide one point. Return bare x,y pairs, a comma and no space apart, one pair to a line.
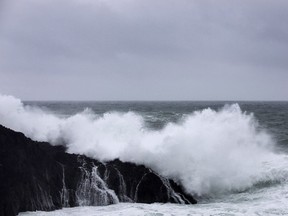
208,152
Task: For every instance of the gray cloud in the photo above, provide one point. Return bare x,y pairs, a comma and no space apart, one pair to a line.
144,49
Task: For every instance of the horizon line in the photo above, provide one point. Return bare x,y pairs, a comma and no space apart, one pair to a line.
95,100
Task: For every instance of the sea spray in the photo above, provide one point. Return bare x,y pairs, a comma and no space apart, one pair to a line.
209,152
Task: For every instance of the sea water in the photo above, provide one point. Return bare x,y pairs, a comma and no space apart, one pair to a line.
232,156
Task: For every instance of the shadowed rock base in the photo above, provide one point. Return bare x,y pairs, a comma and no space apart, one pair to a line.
38,176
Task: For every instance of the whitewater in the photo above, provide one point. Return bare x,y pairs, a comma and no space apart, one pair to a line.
224,157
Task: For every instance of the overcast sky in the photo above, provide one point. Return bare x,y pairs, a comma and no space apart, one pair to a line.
144,49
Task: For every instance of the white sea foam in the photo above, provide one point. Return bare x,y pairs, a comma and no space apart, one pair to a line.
208,152
264,207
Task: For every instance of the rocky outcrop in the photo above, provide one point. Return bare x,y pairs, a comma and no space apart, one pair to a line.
38,176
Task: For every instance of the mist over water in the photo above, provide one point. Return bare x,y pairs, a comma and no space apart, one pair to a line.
210,152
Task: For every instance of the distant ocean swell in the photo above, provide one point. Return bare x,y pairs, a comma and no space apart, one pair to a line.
209,152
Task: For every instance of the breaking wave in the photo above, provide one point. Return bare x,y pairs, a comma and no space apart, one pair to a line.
209,152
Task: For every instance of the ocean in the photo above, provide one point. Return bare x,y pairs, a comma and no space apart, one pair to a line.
231,156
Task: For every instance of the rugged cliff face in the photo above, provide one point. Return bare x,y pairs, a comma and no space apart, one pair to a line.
38,176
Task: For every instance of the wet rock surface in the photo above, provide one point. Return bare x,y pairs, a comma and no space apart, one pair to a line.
38,176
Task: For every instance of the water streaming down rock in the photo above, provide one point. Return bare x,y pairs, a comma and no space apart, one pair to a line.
38,176
122,188
42,199
64,191
137,187
165,188
172,195
93,191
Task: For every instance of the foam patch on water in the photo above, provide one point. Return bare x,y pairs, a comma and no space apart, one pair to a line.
128,209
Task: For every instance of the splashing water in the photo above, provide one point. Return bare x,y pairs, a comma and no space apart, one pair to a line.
209,152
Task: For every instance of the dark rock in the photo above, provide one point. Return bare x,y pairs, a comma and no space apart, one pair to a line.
38,176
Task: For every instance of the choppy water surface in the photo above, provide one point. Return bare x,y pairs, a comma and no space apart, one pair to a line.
231,156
